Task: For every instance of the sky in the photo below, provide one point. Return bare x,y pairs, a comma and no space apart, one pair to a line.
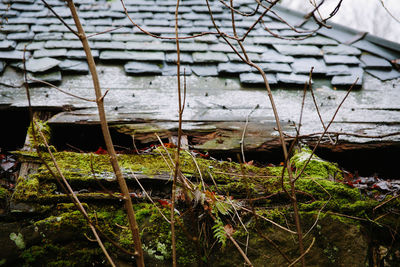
363,15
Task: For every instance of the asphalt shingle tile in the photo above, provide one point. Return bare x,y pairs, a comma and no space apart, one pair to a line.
298,50
341,49
193,47
317,40
39,28
35,14
21,36
373,62
48,36
303,65
80,54
348,80
62,44
235,58
114,45
95,22
209,57
184,58
377,50
131,55
125,37
275,67
50,53
22,20
231,68
256,79
340,59
7,28
171,70
333,70
384,74
26,7
40,65
273,56
142,68
208,39
205,70
7,45
292,78
47,21
150,46
100,37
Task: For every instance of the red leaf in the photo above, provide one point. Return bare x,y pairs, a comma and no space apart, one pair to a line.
101,151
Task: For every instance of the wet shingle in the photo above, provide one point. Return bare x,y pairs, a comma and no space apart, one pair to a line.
298,50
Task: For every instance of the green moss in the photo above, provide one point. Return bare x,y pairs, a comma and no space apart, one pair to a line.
27,189
44,128
316,167
4,194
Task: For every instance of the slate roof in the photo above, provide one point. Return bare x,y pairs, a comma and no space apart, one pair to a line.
339,54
